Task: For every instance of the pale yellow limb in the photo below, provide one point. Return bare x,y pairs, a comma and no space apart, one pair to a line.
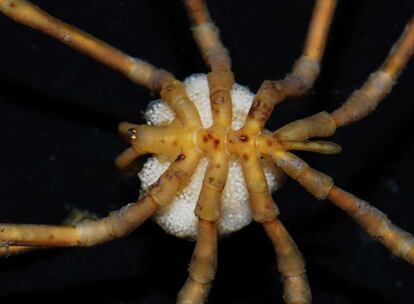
307,67
243,144
76,216
209,202
364,101
317,183
145,139
318,125
207,36
135,69
319,29
264,210
375,223
221,78
174,94
220,85
304,72
202,267
318,146
208,210
175,178
117,224
290,263
15,250
267,97
89,233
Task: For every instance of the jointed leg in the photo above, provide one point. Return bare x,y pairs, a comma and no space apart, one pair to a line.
15,250
290,264
208,210
117,224
364,101
207,36
319,29
221,78
305,70
264,210
202,268
75,217
398,241
136,70
161,141
375,223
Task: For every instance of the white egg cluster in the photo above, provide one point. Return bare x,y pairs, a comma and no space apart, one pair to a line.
178,218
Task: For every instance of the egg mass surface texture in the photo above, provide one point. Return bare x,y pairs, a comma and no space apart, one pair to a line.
178,218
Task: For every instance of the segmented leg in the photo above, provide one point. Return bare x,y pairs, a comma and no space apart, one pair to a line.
265,211
290,263
207,36
319,29
208,210
75,217
135,69
15,250
289,259
364,101
202,268
161,141
117,224
373,221
304,73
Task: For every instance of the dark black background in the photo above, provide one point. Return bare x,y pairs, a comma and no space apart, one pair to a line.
59,112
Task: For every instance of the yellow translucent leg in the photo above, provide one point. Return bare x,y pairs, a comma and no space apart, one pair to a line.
203,265
89,233
173,92
318,125
145,139
307,67
208,210
364,101
267,97
220,84
304,73
209,202
135,69
116,224
319,29
207,36
243,144
375,223
221,78
264,210
75,217
290,263
175,178
15,250
319,146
